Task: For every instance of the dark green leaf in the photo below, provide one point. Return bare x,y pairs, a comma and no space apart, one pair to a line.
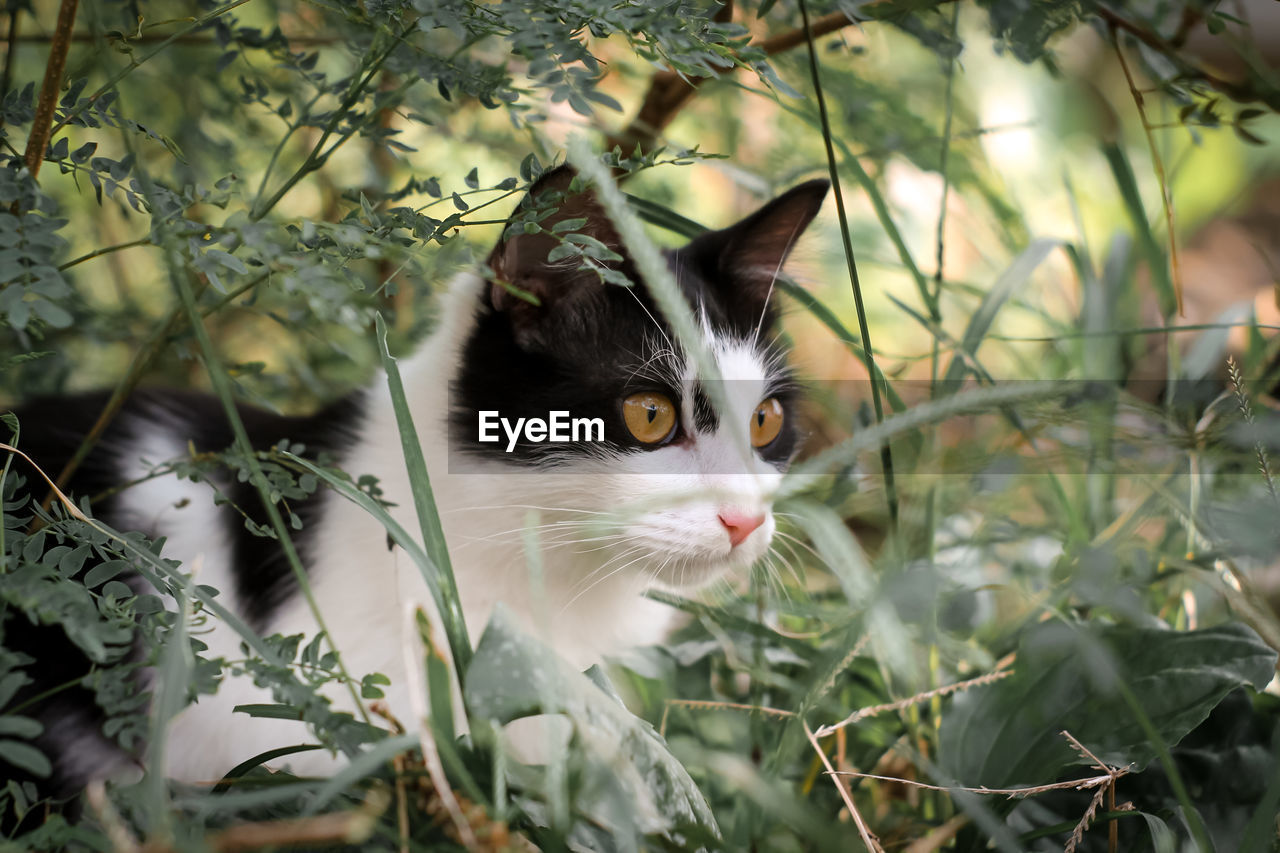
1009,733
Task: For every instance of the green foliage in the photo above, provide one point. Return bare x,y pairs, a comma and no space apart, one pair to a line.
283,216
619,758
1069,679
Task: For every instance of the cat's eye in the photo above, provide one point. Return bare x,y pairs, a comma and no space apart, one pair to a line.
650,416
766,422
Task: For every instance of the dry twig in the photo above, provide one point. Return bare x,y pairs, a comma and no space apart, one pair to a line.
1012,793
959,686
868,838
1113,773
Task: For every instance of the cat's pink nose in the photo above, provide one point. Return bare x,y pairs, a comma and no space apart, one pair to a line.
739,525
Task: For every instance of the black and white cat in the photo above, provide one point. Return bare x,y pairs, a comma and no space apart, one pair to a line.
667,498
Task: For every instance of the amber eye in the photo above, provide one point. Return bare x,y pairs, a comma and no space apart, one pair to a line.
650,417
766,422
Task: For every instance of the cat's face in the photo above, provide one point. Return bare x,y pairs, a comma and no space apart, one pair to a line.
676,489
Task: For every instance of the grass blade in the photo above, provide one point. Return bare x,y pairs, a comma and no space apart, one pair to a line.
228,778
1122,171
970,402
446,591
886,455
430,573
1010,280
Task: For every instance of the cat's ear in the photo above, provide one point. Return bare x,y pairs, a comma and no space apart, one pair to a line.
748,256
520,260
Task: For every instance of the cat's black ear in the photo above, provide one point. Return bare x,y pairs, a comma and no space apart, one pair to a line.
521,259
745,258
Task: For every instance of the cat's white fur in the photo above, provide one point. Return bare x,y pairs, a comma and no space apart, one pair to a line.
597,557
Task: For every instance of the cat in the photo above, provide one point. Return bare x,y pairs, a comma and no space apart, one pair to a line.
662,495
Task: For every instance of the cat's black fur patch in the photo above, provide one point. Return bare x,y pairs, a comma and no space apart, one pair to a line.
52,429
263,576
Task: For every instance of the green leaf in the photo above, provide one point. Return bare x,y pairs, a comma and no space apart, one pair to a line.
1015,276
440,688
104,572
514,675
260,759
568,225
1065,678
23,727
371,685
25,757
9,686
270,712
665,217
1261,828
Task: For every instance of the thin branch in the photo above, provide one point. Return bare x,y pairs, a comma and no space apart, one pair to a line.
72,509
134,63
340,828
1085,784
873,710
105,250
669,91
709,705
1113,773
41,125
157,38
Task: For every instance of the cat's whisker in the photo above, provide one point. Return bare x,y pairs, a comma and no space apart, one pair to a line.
796,228
491,507
788,537
789,564
564,531
603,579
772,563
621,555
656,324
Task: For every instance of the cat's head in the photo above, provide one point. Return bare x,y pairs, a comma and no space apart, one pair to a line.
686,501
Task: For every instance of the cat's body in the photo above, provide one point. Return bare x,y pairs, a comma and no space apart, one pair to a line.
613,518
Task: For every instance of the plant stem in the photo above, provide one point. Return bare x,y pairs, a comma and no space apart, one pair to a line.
105,250
72,114
317,157
1166,194
886,456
